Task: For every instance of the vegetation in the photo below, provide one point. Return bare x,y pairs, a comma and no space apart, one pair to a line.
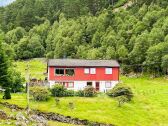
39,93
89,29
58,90
149,104
121,90
89,91
7,94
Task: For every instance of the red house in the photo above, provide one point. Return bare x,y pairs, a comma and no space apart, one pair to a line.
75,74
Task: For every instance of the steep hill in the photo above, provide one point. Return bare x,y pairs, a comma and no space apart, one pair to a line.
136,35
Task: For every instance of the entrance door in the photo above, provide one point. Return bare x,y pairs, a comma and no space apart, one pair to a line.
97,86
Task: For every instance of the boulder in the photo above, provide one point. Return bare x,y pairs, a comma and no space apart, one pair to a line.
3,115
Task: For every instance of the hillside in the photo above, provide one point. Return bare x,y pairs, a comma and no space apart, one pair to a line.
136,34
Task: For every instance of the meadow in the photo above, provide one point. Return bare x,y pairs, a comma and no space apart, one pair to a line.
148,107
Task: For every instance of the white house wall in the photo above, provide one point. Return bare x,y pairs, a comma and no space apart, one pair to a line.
80,85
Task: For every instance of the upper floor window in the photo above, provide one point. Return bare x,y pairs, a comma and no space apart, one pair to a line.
59,72
92,70
86,70
108,71
66,72
69,72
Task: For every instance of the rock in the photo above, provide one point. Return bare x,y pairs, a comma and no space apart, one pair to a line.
39,119
3,115
19,123
20,117
13,110
12,117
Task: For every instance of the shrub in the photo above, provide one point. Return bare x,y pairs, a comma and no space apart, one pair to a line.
80,93
58,90
39,93
121,90
7,94
89,91
69,93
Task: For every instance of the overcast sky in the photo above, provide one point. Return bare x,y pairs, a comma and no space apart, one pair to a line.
5,2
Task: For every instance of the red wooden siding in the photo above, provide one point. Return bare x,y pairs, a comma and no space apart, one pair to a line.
81,76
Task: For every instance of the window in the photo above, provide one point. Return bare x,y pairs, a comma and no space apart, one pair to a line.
89,83
108,84
69,72
108,71
59,72
86,70
92,70
70,85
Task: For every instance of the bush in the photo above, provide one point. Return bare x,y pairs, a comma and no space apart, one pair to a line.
89,91
121,90
69,93
80,93
39,93
7,94
58,90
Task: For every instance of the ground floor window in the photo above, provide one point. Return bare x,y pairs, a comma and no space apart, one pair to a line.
89,83
108,84
70,85
67,84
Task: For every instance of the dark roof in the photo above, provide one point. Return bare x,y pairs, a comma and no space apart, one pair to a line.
83,63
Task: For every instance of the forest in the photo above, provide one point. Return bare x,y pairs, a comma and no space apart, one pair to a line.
88,29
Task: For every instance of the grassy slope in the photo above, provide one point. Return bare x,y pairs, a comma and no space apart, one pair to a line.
37,68
149,106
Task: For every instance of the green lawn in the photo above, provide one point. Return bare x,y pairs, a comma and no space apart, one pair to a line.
148,108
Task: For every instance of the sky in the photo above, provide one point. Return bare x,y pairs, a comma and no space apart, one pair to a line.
5,2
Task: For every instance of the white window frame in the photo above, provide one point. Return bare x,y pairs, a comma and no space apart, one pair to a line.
59,74
69,83
108,71
92,70
108,84
86,70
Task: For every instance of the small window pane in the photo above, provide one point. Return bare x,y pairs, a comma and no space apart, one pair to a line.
86,71
92,70
70,72
108,84
108,71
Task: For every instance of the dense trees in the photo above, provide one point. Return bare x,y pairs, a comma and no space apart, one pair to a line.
89,29
10,79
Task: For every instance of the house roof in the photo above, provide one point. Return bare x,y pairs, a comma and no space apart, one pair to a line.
83,63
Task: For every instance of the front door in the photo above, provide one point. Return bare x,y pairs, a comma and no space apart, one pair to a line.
97,86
